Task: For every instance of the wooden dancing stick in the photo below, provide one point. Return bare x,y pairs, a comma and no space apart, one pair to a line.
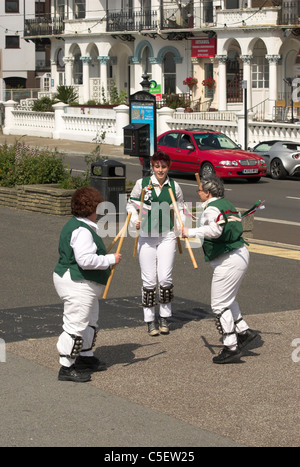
177,238
181,224
197,178
116,238
140,218
122,236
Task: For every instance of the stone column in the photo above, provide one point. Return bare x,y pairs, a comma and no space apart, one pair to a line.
54,76
86,78
69,70
273,84
222,85
103,73
247,77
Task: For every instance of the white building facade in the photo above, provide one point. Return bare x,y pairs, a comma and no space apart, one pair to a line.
17,56
96,44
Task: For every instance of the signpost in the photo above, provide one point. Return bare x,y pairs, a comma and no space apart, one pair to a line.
140,135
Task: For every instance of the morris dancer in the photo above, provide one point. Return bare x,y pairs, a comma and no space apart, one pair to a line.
157,239
221,232
79,278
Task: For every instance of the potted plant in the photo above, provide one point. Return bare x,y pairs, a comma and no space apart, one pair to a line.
190,82
209,82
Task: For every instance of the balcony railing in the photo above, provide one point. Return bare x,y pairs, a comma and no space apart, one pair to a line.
174,18
43,27
131,21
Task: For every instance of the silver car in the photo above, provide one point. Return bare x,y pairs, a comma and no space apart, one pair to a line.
282,157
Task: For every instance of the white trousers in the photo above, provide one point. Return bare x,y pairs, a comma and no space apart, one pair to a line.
229,271
156,257
81,313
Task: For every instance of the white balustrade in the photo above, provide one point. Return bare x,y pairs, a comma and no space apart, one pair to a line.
66,123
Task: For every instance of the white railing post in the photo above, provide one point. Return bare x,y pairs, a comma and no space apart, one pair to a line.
241,129
122,119
9,117
59,124
163,115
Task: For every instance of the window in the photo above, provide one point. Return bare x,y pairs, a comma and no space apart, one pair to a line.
79,9
169,140
77,69
11,6
208,73
232,4
61,8
40,9
263,147
260,73
185,141
146,65
12,42
169,68
208,11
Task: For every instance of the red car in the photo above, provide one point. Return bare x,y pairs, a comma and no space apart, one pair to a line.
208,151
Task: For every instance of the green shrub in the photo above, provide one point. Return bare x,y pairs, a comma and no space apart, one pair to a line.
43,105
24,165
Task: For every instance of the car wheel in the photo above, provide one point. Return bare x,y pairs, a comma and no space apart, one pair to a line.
277,171
207,169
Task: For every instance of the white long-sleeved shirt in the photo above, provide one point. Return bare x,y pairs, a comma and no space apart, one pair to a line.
208,224
137,191
85,248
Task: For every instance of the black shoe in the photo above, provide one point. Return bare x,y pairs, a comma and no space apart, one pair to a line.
227,356
246,337
152,330
89,364
70,374
163,326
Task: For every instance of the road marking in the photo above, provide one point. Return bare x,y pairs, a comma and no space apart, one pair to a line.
280,252
276,221
192,184
274,251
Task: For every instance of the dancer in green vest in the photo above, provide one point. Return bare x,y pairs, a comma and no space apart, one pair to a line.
79,278
157,239
221,231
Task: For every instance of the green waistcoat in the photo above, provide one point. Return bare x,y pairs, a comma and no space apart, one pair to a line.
231,237
154,220
67,258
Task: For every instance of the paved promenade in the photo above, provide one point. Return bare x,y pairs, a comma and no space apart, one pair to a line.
157,392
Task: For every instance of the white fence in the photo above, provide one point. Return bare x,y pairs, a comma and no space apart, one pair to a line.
67,123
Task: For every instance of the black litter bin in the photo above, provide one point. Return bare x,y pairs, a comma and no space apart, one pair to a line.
109,178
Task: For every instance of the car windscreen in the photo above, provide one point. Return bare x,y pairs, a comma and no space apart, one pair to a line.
214,141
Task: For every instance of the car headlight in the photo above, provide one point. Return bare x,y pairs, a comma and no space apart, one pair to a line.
262,162
235,163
